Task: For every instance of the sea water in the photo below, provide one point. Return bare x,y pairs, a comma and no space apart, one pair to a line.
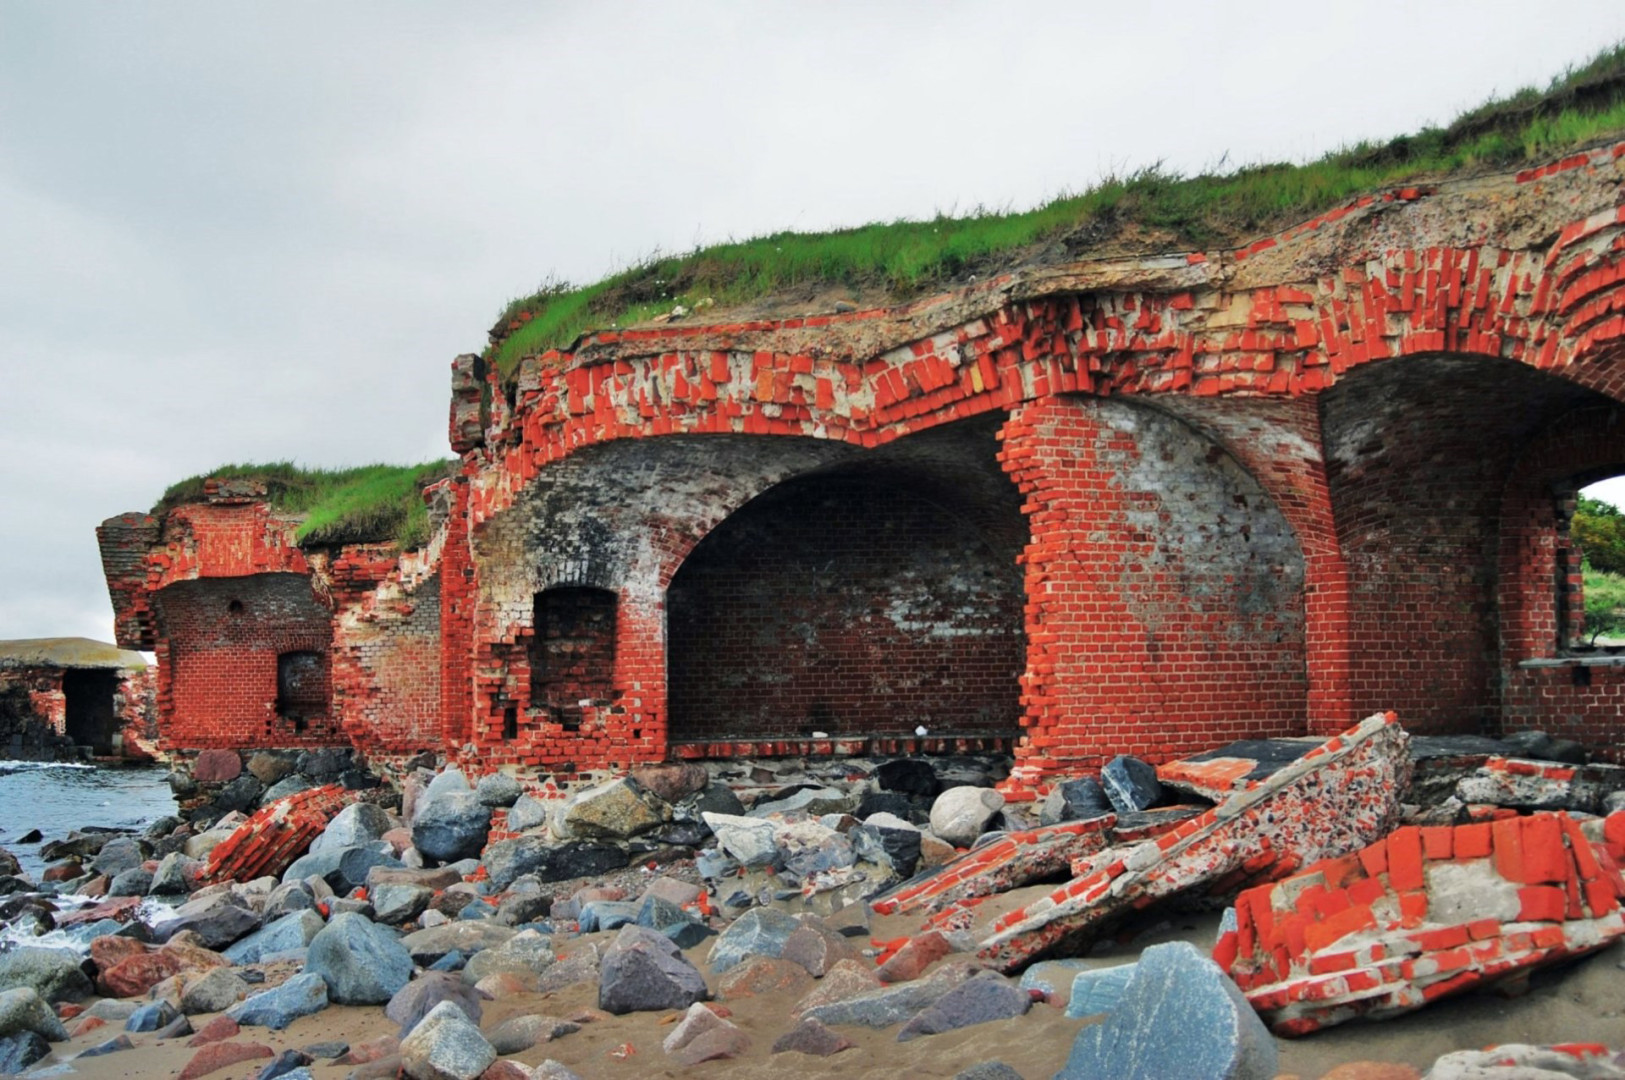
58,798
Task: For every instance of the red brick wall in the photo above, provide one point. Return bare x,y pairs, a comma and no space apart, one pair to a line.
1164,590
844,605
218,680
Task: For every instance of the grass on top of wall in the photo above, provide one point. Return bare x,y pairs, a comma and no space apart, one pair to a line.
1584,104
365,504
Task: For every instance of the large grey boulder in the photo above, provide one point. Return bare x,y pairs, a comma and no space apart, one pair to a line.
644,970
276,1009
498,789
171,877
216,991
960,814
527,812
53,974
219,920
452,825
748,839
508,860
359,823
445,780
118,855
1179,1016
445,1046
464,935
758,932
975,1001
22,1009
613,811
419,997
526,953
294,930
396,904
361,962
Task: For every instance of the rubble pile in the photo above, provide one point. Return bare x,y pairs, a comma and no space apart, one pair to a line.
269,841
1334,799
867,894
1424,913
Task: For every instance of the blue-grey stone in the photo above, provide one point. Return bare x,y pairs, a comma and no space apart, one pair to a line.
455,960
293,931
643,970
1053,977
498,789
357,824
362,962
111,1046
891,1004
20,1050
152,1016
1098,990
299,996
606,915
975,1001
452,826
356,861
314,864
1074,800
658,913
1130,784
1179,1016
758,932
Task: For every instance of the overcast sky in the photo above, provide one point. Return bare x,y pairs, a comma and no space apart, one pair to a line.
260,231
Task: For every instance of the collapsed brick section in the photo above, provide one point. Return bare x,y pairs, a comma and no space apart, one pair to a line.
1347,514
1425,913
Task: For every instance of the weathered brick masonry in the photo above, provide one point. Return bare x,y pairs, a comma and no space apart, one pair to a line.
1138,505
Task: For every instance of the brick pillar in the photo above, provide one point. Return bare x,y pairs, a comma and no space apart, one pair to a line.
638,731
457,599
1155,626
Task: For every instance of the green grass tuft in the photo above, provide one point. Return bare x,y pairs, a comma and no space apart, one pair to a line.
367,504
906,258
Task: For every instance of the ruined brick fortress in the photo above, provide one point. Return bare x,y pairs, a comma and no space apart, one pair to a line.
1141,505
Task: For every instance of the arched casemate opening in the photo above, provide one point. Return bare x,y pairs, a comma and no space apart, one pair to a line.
1562,662
869,598
1441,536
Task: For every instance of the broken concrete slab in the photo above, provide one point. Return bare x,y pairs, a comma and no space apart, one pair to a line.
1336,799
1009,862
1425,913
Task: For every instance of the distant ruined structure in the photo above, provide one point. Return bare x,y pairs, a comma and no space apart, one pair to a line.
1140,505
66,699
